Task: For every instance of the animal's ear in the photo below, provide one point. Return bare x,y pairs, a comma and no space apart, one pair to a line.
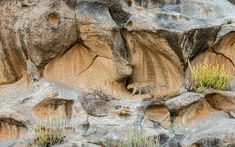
131,65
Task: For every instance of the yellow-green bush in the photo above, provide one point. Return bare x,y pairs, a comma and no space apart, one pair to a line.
50,132
135,138
208,76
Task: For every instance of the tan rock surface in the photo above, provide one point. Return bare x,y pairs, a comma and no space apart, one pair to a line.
160,114
154,60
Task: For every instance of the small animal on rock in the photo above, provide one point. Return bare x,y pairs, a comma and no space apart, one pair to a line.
141,87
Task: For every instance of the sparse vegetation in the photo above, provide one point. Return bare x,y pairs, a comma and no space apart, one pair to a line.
51,132
135,138
205,76
102,94
229,21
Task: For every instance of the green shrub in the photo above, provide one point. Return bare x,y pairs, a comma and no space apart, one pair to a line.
135,138
208,76
229,21
51,132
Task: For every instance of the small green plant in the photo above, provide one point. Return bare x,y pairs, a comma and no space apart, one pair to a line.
229,21
135,138
50,132
208,76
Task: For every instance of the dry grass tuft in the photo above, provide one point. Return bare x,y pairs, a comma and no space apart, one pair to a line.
135,138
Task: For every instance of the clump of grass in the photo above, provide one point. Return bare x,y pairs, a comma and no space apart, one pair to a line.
229,21
135,138
50,132
205,76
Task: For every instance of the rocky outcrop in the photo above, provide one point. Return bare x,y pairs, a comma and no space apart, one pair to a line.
232,1
102,50
176,104
154,60
85,53
12,124
34,33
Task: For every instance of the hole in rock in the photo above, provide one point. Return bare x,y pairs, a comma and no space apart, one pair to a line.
11,128
129,25
48,106
54,19
72,3
129,2
207,142
163,138
158,113
23,4
155,3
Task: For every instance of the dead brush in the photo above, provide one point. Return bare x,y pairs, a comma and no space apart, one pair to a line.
95,102
101,94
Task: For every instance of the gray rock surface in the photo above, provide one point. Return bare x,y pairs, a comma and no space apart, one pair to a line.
183,101
81,46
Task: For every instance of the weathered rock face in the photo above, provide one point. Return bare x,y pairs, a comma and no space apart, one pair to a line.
154,61
12,124
232,1
87,52
102,50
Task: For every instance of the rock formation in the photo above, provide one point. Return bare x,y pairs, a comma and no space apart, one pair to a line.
85,53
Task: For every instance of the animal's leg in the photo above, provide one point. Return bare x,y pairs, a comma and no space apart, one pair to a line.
140,89
152,89
148,89
87,118
29,78
134,90
86,124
